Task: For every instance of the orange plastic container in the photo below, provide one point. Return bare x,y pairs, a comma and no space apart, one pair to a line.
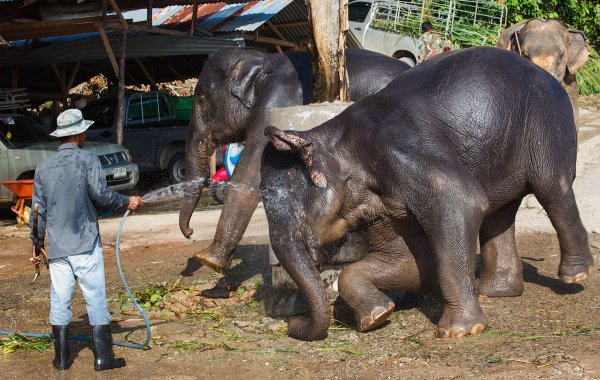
23,189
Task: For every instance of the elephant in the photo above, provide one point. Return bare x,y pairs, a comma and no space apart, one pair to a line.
423,168
550,45
235,91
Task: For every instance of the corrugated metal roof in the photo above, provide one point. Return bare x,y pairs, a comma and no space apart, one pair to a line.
138,46
216,17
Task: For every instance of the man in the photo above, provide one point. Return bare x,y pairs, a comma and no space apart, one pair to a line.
430,43
68,188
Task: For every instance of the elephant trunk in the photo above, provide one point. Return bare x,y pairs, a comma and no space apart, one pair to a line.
198,151
303,271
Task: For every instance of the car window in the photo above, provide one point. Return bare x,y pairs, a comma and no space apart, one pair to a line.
146,108
20,131
103,115
358,11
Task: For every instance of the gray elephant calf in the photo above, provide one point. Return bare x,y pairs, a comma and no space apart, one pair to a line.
235,91
439,158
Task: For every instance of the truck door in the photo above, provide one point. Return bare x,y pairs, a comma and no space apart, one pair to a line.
142,113
103,115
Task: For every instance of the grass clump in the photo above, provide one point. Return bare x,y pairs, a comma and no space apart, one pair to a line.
12,343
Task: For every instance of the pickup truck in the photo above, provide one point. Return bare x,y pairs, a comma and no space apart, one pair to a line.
154,131
24,144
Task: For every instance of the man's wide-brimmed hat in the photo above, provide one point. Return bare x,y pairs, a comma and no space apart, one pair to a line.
71,122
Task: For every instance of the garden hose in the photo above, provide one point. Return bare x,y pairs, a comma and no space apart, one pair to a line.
129,292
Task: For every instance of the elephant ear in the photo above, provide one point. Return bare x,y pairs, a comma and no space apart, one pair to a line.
578,51
286,141
244,76
507,37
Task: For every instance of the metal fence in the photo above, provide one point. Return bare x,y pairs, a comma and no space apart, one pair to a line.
467,22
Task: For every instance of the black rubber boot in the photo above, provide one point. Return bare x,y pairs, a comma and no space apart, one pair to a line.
61,347
104,357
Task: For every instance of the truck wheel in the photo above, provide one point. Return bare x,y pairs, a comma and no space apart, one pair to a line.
176,169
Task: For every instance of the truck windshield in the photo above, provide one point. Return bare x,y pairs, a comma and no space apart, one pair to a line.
358,11
20,131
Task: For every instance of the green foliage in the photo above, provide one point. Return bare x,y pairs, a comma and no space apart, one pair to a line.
12,343
582,15
588,76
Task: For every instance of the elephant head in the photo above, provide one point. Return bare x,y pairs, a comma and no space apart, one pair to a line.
226,93
293,182
555,48
549,44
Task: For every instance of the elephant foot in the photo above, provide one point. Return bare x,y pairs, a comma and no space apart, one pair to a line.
570,272
456,326
209,259
376,317
491,288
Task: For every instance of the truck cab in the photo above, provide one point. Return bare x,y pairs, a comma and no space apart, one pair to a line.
372,36
153,132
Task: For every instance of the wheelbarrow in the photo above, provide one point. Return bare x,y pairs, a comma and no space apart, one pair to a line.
23,189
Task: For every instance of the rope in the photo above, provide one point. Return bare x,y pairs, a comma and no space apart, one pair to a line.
131,296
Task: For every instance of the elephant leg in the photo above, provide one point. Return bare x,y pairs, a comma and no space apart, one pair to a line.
240,202
501,274
403,261
451,215
576,259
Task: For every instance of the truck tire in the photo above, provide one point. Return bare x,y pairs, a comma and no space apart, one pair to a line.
176,168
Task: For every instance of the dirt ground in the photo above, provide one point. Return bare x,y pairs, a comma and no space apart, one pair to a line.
551,331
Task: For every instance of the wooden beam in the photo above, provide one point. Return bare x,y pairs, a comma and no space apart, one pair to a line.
121,90
291,24
109,52
274,29
146,73
73,75
143,28
194,16
149,14
117,10
267,40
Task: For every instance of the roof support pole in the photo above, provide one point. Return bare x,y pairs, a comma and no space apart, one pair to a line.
73,75
278,34
149,14
109,51
121,91
146,73
194,16
115,7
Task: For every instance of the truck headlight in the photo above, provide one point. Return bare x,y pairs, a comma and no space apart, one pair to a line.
128,155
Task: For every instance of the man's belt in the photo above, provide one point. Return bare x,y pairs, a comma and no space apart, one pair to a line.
39,251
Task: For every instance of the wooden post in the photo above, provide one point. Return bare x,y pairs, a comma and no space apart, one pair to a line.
194,16
328,35
149,14
121,91
108,48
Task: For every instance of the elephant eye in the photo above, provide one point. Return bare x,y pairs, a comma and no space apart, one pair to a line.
202,99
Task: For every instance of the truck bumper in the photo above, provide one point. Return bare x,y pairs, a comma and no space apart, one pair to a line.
125,183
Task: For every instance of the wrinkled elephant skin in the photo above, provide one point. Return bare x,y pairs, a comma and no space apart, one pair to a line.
423,169
235,91
550,45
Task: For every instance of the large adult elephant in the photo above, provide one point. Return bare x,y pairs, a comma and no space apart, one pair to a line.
430,165
550,45
235,91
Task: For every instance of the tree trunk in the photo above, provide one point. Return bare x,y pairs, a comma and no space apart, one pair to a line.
329,24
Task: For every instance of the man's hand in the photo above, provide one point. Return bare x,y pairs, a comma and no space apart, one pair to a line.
135,203
34,259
